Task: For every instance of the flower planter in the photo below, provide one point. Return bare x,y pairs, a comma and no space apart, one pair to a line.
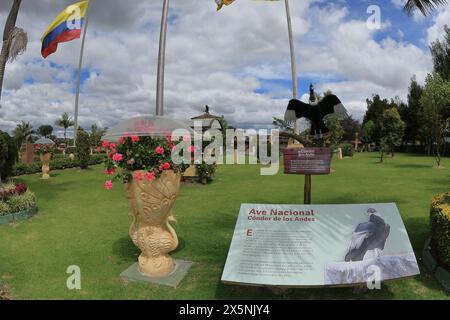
45,160
18,216
151,203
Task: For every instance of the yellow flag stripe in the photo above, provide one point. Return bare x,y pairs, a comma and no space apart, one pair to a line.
67,14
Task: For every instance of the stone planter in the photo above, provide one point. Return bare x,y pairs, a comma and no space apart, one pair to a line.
151,203
45,160
18,216
440,273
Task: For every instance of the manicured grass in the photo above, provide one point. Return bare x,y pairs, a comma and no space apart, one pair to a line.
79,223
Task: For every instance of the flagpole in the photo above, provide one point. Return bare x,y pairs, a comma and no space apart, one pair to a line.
80,66
293,59
162,60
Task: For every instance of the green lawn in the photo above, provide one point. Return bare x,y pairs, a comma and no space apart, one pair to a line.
79,223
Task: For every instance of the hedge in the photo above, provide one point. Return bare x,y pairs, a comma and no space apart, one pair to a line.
440,227
58,163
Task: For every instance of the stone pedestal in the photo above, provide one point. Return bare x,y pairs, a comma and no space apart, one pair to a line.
151,204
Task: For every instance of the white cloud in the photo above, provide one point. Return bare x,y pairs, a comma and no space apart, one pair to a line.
219,59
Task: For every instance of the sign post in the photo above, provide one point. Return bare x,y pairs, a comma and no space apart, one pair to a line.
307,162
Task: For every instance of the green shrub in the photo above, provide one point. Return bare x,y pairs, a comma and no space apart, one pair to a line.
70,150
440,227
206,171
23,202
57,163
8,155
83,148
4,208
347,150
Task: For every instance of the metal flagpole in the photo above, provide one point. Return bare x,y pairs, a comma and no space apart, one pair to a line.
293,59
162,60
80,66
308,182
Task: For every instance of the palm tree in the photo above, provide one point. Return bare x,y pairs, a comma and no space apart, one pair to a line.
15,41
425,6
22,131
65,122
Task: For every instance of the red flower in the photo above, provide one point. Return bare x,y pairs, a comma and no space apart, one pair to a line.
159,150
166,166
135,139
160,168
149,176
108,185
138,175
122,140
117,157
105,144
110,172
191,149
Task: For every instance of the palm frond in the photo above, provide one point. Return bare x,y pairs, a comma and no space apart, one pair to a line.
425,6
18,41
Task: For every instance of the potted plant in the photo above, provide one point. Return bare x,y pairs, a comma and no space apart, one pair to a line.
152,182
45,152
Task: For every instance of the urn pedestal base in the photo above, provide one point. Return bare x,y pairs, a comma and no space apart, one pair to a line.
171,280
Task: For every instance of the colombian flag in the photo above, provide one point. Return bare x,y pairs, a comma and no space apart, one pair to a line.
66,27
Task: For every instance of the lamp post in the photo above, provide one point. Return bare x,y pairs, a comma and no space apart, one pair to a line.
162,60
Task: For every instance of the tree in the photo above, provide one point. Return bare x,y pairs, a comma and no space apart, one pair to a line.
440,52
15,41
83,148
368,133
8,155
435,103
425,6
96,135
45,130
411,112
22,131
351,128
283,125
336,131
392,130
65,122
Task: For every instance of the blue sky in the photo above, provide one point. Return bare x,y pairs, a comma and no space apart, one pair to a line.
235,60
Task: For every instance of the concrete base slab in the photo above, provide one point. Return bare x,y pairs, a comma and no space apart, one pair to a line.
172,280
443,276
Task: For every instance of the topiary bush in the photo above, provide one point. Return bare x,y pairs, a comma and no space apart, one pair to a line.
83,147
440,227
8,155
347,150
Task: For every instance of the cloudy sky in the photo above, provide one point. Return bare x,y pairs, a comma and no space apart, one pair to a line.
235,60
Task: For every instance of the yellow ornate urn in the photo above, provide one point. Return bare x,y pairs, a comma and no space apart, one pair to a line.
44,147
45,160
151,204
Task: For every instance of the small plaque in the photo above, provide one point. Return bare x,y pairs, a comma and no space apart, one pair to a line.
307,161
